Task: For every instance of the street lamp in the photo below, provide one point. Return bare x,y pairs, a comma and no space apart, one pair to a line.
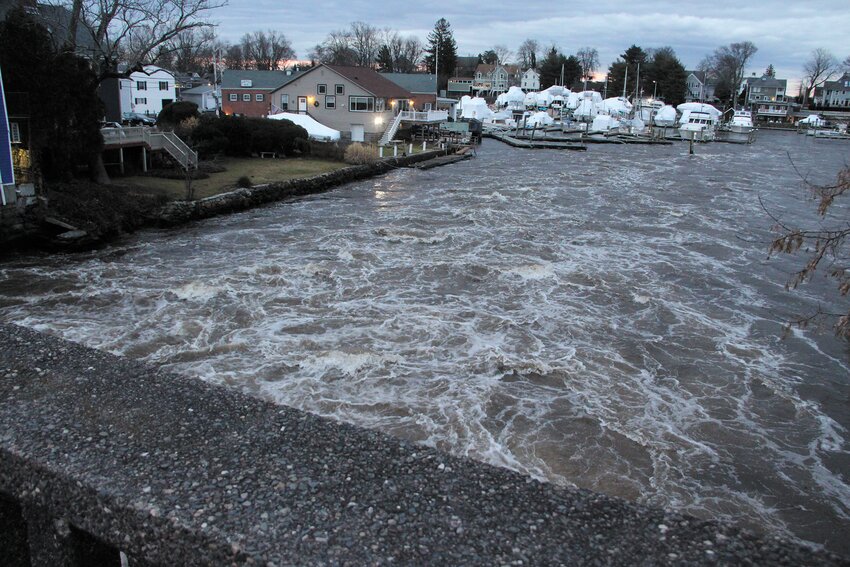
654,89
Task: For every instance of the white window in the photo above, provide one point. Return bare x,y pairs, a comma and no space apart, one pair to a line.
284,102
259,97
246,97
321,89
14,133
141,101
330,101
141,85
340,89
163,85
234,97
361,104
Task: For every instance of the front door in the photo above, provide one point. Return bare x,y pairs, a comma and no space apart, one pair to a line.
358,132
302,104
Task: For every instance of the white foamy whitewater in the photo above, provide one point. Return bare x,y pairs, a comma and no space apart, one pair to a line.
608,321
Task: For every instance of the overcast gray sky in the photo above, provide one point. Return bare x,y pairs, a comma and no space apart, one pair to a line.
784,32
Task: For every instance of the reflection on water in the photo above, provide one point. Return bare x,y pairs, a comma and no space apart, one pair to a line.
608,320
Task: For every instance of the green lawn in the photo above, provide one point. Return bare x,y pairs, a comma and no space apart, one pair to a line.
258,170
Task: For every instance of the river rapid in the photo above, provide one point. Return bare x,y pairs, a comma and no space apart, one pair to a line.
607,319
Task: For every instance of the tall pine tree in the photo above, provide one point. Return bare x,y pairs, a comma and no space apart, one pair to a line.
442,51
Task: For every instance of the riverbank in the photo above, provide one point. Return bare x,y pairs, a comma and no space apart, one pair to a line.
83,215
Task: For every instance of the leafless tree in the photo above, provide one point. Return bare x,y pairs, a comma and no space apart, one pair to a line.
503,54
588,58
336,49
192,50
826,245
365,41
527,54
133,31
233,58
820,68
405,52
846,64
266,50
727,65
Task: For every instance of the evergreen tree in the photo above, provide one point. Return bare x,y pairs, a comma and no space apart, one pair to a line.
385,60
441,52
550,68
64,126
770,71
572,71
489,57
669,75
633,57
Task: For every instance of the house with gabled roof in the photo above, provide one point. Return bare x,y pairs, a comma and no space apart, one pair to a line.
767,97
356,101
248,92
496,79
699,87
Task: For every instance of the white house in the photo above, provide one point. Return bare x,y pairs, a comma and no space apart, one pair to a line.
150,90
207,97
530,80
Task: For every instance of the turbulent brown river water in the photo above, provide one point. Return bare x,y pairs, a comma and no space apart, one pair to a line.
606,319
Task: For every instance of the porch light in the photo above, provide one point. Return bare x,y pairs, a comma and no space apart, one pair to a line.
379,120
392,103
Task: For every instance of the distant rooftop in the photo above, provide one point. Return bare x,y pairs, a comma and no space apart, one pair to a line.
416,83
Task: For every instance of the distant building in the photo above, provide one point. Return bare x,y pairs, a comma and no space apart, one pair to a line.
459,86
493,80
699,87
465,66
248,92
767,98
834,94
423,87
530,80
207,97
150,90
356,101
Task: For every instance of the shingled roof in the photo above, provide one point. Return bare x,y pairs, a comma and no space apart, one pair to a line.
421,83
260,80
371,81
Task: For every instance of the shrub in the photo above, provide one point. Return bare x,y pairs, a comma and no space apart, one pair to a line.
240,136
244,181
357,154
327,150
173,114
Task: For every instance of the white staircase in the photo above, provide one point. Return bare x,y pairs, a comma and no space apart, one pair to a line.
152,138
391,130
171,143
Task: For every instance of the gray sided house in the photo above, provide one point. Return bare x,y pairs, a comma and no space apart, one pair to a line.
357,101
834,94
207,97
699,87
767,97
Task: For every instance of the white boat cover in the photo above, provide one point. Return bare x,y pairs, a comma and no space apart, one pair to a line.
617,106
813,120
475,107
315,130
603,123
666,116
539,119
587,109
688,107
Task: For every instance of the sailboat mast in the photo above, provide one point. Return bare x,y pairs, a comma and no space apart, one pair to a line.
625,81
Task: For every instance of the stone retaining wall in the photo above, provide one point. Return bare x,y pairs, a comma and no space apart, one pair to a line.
178,212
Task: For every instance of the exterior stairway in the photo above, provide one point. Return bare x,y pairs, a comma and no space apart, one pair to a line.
391,130
152,138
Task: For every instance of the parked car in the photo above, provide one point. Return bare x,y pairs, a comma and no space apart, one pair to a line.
104,124
137,119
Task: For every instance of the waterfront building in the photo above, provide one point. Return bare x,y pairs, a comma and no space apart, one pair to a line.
700,88
834,94
493,80
530,80
248,92
150,90
356,101
207,97
767,98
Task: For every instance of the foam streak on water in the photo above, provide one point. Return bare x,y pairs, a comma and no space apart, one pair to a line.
607,320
